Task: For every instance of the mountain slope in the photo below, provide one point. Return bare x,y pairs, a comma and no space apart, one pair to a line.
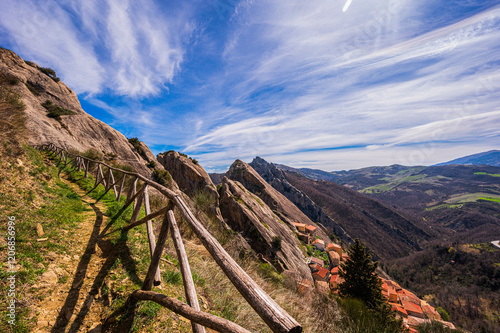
62,120
277,202
245,213
387,232
276,178
491,157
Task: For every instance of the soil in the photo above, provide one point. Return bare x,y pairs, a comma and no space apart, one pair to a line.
70,293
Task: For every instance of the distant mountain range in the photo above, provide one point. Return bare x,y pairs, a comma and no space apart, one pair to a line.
491,157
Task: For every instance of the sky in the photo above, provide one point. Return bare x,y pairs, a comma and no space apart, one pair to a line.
325,84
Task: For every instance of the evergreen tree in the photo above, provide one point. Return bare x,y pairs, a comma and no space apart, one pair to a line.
361,282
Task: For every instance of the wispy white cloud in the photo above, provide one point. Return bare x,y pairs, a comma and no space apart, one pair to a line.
392,88
120,47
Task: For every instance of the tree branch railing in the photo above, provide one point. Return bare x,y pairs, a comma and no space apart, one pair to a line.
273,315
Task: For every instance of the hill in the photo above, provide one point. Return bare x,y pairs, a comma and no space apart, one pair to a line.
491,157
54,115
388,232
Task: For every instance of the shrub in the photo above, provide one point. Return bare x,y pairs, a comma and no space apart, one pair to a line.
50,73
56,111
442,312
32,89
162,177
202,201
93,154
9,78
276,242
137,146
434,327
151,164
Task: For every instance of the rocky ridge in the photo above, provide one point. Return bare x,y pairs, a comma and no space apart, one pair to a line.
277,202
276,178
266,233
191,178
74,128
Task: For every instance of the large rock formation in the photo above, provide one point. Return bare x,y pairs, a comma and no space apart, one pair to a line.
191,178
287,211
276,178
74,130
266,233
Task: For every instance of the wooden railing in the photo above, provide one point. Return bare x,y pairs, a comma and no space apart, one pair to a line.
273,315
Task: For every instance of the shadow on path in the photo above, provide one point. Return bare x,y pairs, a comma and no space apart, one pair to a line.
111,253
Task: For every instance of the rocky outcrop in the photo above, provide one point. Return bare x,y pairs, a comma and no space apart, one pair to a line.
266,233
277,179
287,211
74,128
191,178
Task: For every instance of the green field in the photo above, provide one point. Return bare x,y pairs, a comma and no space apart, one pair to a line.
473,197
487,174
490,199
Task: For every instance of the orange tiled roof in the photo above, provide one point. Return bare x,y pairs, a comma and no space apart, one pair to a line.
320,241
317,261
412,307
315,267
311,228
398,308
322,272
335,270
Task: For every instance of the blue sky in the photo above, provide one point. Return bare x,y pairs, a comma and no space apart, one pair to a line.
321,84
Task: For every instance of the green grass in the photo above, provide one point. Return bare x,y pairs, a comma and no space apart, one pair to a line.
487,174
58,207
392,182
490,199
173,277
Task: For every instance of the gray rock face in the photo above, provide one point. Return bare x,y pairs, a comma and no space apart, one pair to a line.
191,177
276,201
260,226
277,179
76,131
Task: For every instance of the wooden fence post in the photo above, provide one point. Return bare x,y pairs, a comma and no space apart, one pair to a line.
187,278
275,317
155,259
151,234
87,169
206,319
97,174
138,205
121,187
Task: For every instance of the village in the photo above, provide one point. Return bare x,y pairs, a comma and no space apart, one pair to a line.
325,265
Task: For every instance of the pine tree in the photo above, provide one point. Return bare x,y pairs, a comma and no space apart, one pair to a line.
361,282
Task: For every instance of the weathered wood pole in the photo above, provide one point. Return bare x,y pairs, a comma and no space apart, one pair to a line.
118,195
206,319
102,177
145,219
155,259
87,169
138,205
132,190
151,234
275,317
187,278
97,174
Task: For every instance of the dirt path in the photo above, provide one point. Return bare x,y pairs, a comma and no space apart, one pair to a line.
71,294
